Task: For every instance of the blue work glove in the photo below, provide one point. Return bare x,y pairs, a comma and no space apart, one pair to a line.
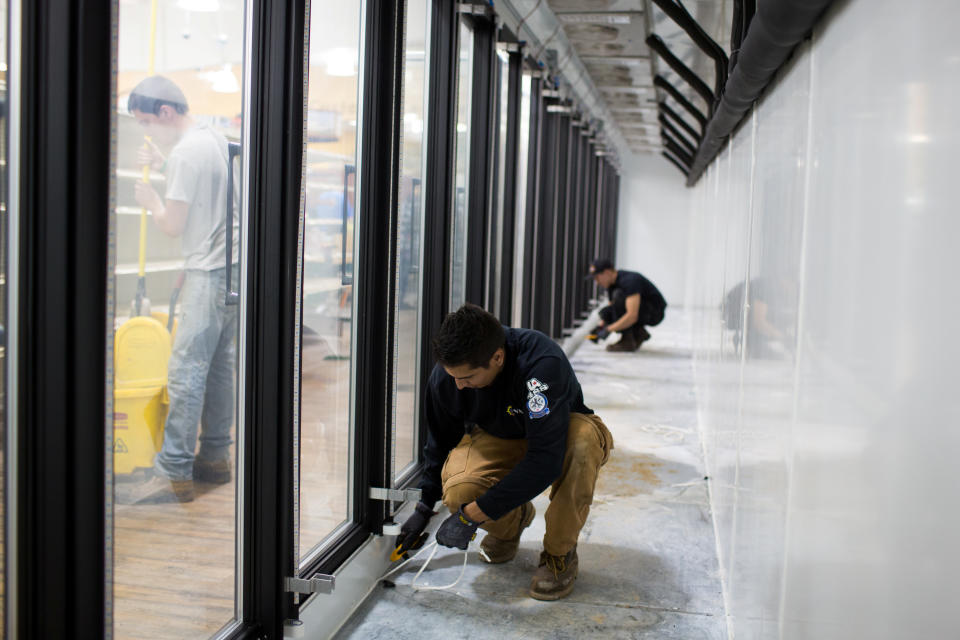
412,529
457,531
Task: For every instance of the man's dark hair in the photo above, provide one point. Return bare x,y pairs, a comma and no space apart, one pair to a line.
469,336
600,264
154,92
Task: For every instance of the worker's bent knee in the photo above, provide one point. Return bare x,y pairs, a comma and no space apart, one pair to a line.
462,492
583,442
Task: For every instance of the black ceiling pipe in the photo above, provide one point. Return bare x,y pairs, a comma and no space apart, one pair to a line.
774,31
673,92
679,165
743,11
685,21
674,147
677,135
657,44
678,119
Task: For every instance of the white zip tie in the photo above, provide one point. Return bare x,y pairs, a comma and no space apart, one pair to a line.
433,545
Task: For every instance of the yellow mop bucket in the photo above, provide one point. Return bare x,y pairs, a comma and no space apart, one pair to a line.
141,353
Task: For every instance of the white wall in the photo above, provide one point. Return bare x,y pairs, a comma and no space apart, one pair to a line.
653,224
832,449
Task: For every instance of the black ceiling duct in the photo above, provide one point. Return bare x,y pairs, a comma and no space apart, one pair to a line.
775,30
678,13
670,114
660,47
673,92
668,127
679,165
743,11
674,147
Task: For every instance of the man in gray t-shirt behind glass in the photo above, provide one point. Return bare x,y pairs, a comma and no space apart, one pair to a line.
201,370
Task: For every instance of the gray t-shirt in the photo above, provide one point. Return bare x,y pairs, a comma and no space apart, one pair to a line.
197,175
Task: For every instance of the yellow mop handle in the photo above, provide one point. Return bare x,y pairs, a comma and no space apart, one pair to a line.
143,228
146,168
153,36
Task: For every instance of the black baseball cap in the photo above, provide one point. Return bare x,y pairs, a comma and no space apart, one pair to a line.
598,265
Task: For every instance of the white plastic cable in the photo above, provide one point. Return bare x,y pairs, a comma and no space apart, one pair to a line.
434,546
573,342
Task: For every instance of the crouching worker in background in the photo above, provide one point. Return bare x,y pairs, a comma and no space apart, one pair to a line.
505,420
634,302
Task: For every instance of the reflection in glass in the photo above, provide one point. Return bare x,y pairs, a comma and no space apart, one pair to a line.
458,272
4,101
327,271
759,325
523,146
409,225
179,117
495,253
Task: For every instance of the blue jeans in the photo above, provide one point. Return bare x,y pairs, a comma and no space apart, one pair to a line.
200,376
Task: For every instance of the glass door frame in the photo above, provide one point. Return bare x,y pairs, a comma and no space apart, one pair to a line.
63,162
378,171
531,219
508,190
481,203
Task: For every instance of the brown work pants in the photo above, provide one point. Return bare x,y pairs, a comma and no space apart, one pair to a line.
482,460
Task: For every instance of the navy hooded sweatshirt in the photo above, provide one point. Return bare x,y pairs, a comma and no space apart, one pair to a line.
531,399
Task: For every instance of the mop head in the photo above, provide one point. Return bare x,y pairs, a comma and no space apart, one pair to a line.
573,342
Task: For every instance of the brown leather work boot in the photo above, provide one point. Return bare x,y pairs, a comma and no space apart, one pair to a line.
627,343
155,490
494,550
211,471
555,575
642,336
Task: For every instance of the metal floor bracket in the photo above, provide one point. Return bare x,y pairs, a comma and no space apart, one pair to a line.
320,583
395,495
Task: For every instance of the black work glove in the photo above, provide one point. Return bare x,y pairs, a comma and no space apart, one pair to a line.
457,531
412,529
599,334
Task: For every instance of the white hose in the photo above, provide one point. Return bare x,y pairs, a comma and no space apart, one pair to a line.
573,342
434,546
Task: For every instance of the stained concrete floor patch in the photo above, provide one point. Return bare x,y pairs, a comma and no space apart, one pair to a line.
648,565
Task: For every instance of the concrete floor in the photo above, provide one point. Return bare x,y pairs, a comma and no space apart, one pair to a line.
648,564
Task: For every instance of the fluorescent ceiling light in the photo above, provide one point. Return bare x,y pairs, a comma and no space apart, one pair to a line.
341,61
594,18
222,81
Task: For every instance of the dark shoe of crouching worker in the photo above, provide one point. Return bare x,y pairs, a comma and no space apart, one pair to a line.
626,343
505,421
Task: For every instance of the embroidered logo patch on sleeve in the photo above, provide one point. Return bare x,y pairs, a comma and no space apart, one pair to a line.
536,401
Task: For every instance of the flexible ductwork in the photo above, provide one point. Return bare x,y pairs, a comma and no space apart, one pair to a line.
777,27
